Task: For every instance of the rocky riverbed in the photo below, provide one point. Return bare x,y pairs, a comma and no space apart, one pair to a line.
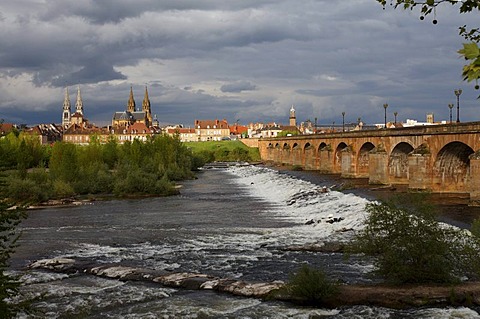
467,294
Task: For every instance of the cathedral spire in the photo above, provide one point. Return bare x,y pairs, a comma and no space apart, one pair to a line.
66,115
131,102
146,108
79,103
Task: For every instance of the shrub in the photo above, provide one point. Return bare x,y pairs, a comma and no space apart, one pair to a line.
26,191
311,286
410,246
62,189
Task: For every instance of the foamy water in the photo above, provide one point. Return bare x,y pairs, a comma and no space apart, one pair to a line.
300,201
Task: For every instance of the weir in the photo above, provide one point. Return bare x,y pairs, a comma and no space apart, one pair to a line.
437,158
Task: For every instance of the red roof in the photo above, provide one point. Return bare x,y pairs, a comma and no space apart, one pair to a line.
6,128
204,124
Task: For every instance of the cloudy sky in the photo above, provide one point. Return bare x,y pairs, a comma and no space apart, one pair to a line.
246,60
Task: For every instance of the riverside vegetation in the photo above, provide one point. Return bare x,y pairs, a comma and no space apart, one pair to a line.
34,173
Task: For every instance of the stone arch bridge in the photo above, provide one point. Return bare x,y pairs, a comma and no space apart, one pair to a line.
438,158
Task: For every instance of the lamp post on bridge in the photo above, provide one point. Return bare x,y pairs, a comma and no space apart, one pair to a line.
395,114
385,106
457,93
450,106
315,126
343,121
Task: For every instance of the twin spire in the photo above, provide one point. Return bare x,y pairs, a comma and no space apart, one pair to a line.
67,112
131,102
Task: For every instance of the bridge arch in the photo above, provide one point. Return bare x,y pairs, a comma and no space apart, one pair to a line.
322,146
363,160
398,163
337,159
451,169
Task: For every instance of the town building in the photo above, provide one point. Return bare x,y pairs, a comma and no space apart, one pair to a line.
136,131
47,133
238,131
83,134
212,130
184,134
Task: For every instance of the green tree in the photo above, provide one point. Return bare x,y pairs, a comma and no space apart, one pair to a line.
470,51
110,152
9,219
64,162
409,245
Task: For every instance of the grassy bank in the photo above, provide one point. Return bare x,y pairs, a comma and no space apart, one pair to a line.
227,151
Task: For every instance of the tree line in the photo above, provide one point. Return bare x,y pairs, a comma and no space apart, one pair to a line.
35,173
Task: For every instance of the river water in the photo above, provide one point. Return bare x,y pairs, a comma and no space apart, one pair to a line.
230,223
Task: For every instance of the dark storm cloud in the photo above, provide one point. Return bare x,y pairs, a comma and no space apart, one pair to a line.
96,71
238,87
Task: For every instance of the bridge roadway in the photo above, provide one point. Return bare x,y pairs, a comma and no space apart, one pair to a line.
439,158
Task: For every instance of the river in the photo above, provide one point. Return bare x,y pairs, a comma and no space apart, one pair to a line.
231,223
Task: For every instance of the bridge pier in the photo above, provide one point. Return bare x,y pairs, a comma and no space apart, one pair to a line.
325,161
348,163
378,166
419,170
475,182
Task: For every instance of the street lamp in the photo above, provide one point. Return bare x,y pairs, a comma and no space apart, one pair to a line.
450,106
315,125
343,121
385,107
457,93
395,114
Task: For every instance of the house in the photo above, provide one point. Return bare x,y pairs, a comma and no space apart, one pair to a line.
185,134
82,134
212,130
239,130
47,133
137,131
6,128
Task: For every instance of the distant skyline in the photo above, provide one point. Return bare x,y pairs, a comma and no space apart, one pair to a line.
246,60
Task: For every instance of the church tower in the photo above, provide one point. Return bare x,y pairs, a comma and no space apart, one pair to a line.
146,109
79,103
293,119
131,102
66,110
